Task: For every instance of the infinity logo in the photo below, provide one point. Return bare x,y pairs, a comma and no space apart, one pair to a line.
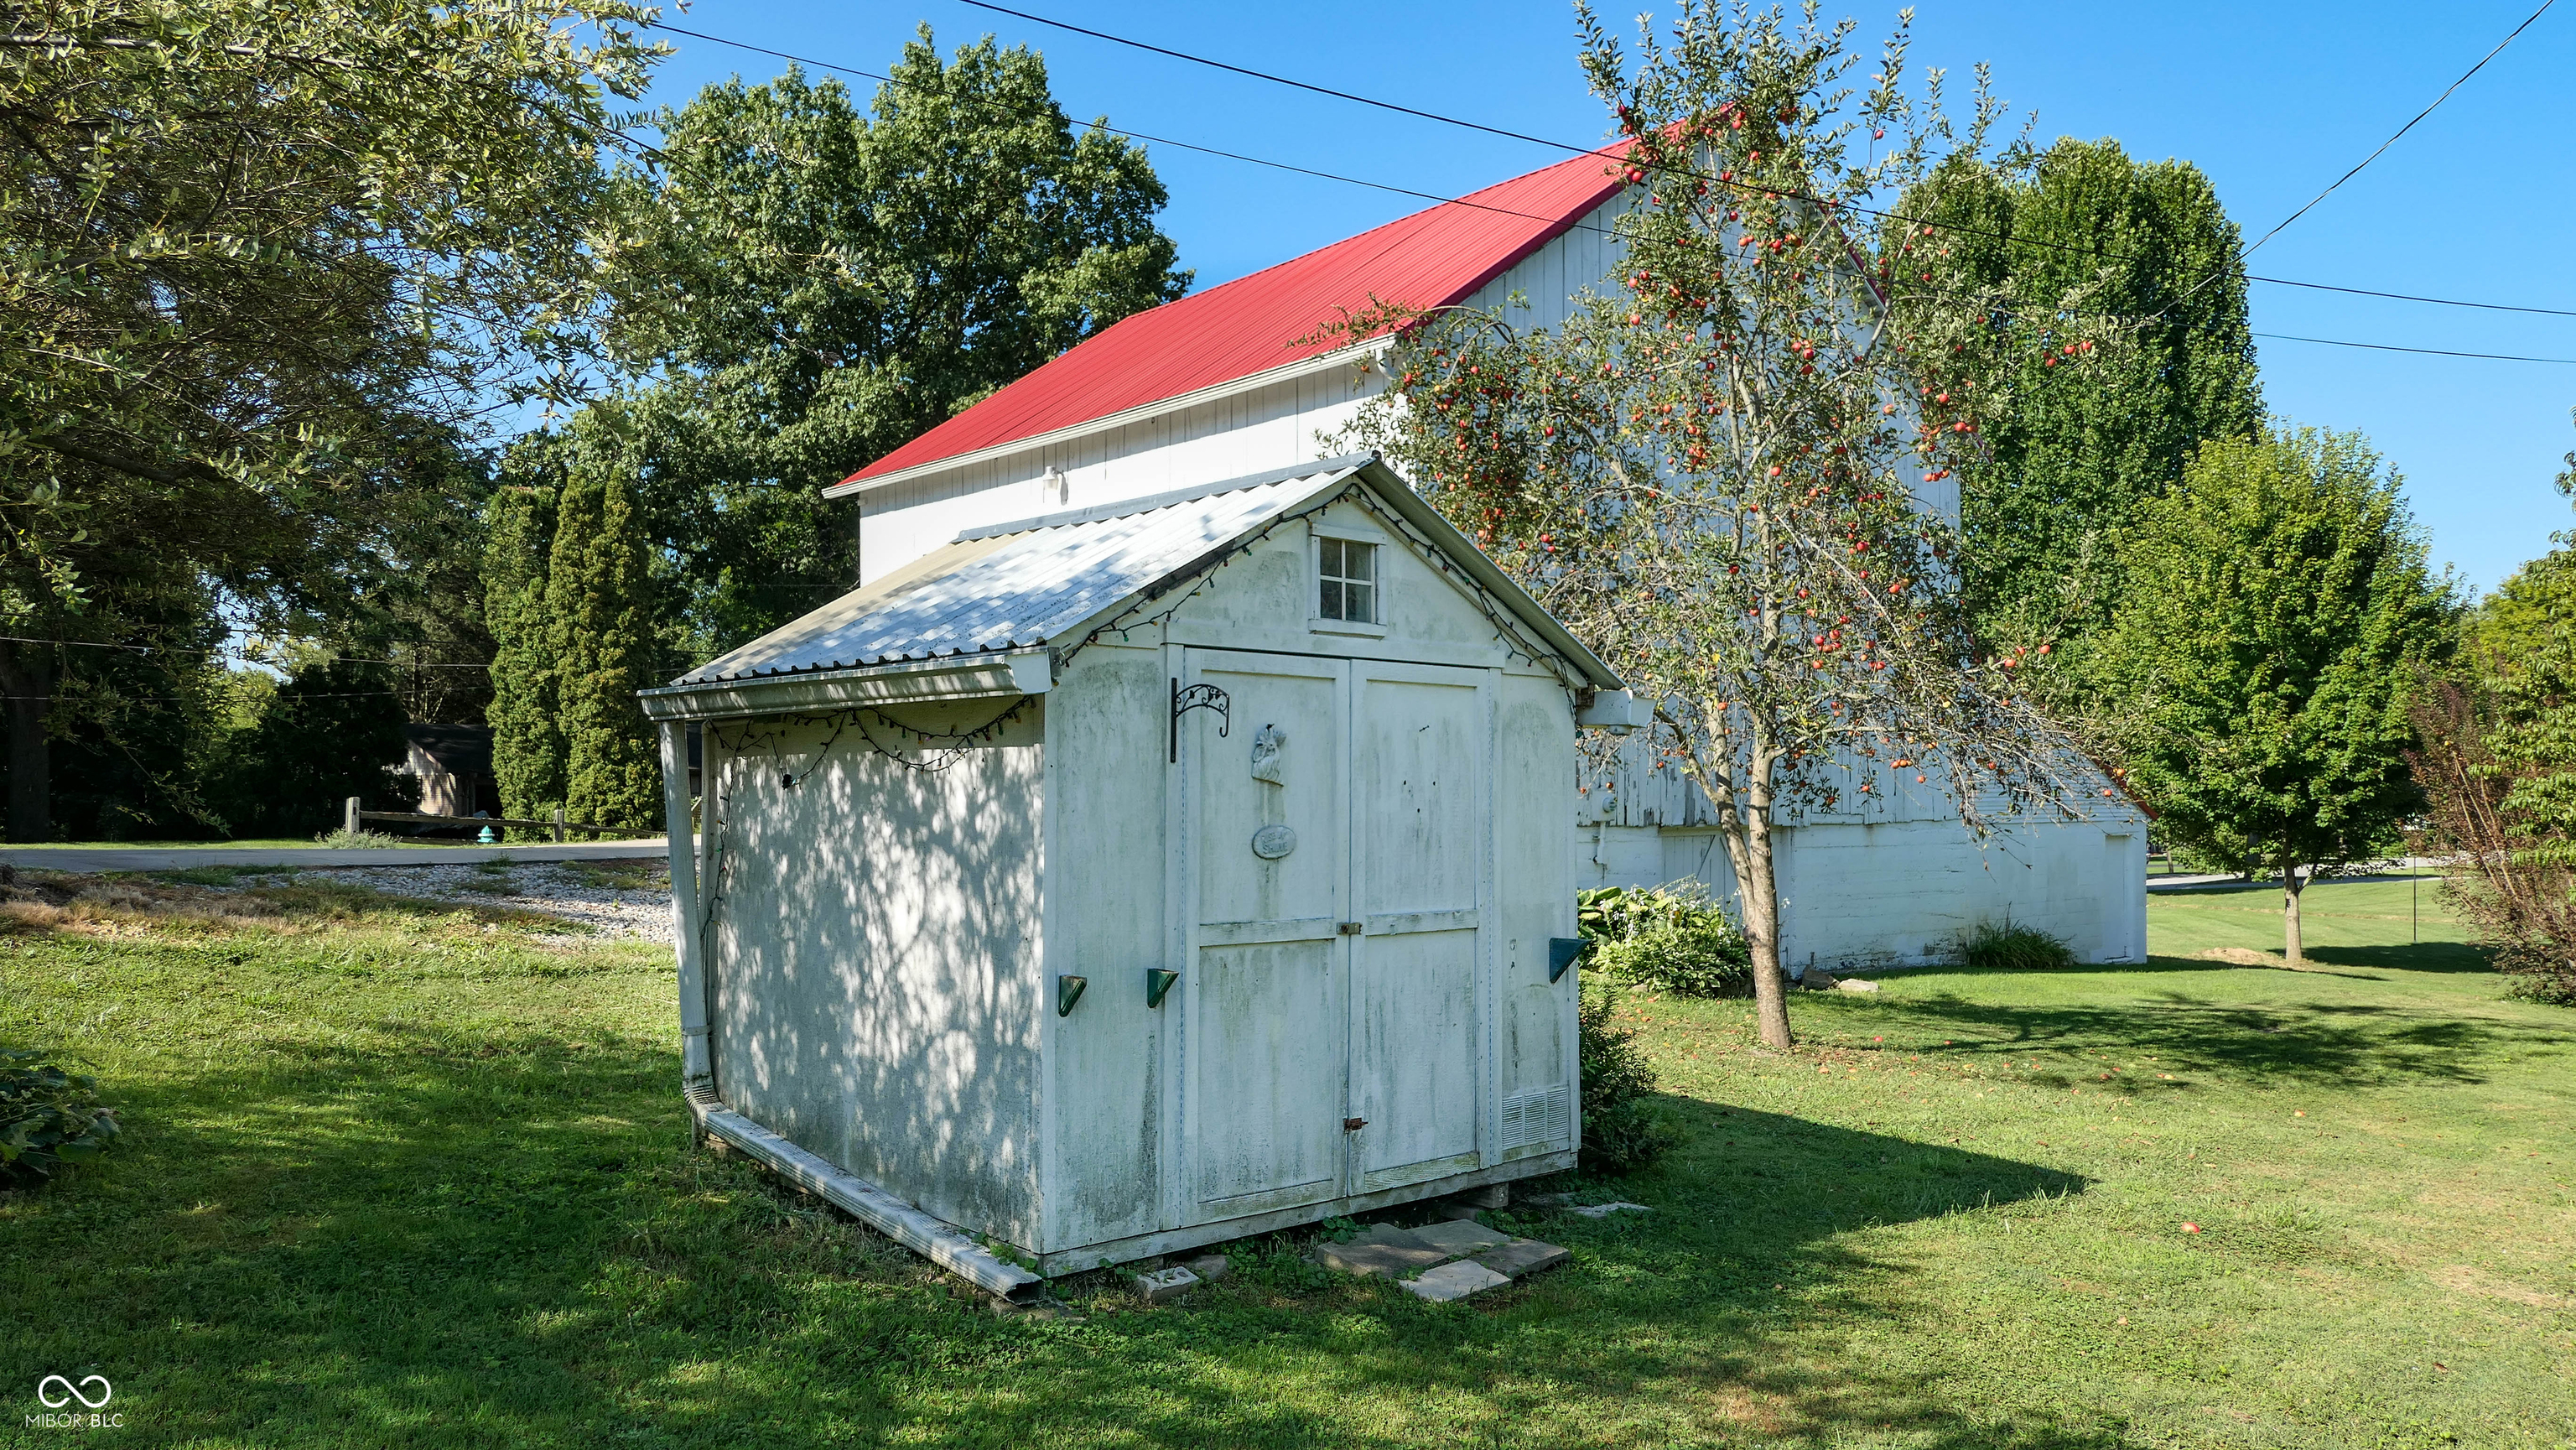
71,1392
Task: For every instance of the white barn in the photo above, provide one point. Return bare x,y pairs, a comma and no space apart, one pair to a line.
1142,875
1219,384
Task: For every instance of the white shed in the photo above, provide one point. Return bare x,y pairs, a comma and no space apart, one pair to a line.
1127,879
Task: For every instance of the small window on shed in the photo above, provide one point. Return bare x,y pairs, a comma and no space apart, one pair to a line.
1349,581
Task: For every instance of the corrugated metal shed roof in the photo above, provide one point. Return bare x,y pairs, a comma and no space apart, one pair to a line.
1027,584
1050,579
1432,258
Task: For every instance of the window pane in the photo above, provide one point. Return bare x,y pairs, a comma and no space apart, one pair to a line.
1332,605
1332,552
1360,562
1361,602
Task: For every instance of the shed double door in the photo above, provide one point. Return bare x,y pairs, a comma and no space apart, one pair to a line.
1335,994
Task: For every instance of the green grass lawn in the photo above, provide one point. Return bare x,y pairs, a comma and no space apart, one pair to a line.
399,1175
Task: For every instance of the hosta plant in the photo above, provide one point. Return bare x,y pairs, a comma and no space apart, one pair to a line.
48,1118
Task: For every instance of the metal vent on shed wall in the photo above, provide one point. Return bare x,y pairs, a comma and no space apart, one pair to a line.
1536,1116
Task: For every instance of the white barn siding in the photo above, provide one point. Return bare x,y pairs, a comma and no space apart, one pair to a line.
1266,427
1260,429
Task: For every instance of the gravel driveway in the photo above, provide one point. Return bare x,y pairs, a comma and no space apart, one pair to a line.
613,899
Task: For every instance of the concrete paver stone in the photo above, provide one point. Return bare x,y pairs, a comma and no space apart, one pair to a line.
1155,1286
1604,1210
1392,1260
1387,1233
1461,1236
1523,1256
1454,1281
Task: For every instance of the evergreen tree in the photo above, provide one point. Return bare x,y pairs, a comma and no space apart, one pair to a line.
2276,613
600,633
527,734
2071,464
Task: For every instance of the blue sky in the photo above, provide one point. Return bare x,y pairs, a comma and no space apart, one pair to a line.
2273,101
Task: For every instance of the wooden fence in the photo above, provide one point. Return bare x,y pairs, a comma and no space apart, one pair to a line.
354,817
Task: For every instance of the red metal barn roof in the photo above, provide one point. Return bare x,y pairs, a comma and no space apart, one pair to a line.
1432,258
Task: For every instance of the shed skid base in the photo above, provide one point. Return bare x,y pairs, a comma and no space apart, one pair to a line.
934,1238
1143,1246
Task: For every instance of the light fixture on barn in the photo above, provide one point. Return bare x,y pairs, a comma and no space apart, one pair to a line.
1199,697
1068,990
1159,982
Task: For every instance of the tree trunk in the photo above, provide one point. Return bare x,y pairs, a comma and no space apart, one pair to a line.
27,676
2291,886
1744,825
1756,888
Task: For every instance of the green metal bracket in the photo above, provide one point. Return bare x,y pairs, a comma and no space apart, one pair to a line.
1158,985
1562,952
1068,990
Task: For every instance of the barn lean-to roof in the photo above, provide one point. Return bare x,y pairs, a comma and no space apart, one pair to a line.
1047,581
1271,319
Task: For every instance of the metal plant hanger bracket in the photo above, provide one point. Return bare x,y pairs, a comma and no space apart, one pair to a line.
1198,697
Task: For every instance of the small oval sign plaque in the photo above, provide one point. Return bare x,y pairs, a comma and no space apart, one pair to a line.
1272,842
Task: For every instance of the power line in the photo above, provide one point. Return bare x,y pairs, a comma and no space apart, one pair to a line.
2411,297
1281,80
1106,129
2428,351
2392,140
148,649
1569,146
1103,126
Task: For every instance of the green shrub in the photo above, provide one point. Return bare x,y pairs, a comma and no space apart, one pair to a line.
2018,948
1623,1127
48,1117
1667,940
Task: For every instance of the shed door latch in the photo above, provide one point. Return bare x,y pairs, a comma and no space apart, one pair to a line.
1354,928
1353,1125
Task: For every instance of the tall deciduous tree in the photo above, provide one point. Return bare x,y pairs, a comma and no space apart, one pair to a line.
1717,472
2276,611
249,254
807,288
600,632
2071,463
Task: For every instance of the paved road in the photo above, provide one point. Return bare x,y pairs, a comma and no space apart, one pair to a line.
81,858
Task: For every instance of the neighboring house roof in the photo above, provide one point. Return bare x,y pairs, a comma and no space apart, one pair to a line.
1433,258
1051,580
456,749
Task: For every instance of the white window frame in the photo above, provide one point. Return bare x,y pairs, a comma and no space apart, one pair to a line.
1316,532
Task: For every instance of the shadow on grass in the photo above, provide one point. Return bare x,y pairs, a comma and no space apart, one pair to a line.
430,1237
2326,1043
